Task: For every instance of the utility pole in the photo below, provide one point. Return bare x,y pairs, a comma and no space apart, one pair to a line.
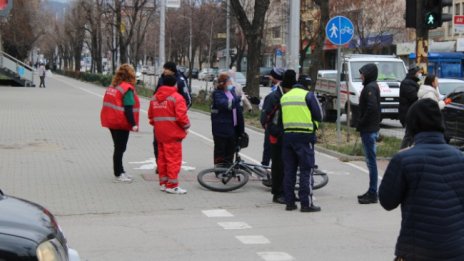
161,54
294,36
422,38
228,34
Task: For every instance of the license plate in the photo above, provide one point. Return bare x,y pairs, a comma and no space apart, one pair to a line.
390,110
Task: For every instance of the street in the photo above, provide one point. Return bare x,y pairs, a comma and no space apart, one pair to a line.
54,152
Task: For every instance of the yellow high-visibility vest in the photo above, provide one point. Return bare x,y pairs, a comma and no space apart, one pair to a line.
296,116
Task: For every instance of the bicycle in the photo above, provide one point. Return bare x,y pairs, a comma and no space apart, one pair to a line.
235,176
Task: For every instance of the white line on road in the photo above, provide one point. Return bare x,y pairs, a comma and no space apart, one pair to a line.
275,256
253,240
217,213
234,225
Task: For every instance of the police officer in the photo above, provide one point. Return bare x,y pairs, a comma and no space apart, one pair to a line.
300,113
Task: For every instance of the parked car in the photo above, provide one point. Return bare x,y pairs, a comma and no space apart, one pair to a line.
29,232
453,115
208,74
446,86
264,73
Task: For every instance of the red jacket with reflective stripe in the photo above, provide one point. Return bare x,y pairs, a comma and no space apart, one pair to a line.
112,113
168,115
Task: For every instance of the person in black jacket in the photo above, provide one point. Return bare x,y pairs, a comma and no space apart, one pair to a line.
408,95
170,69
369,126
427,180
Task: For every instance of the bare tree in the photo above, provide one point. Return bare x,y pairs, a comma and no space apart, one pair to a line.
372,22
23,27
318,38
75,32
253,31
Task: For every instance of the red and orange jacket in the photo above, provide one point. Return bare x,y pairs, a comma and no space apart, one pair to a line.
168,115
112,114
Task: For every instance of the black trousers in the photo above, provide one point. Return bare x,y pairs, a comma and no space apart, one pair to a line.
277,169
42,81
266,160
224,149
120,138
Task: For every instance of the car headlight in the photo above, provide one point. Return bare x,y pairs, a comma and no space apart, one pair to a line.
51,250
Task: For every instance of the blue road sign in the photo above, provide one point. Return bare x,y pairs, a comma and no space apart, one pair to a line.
339,30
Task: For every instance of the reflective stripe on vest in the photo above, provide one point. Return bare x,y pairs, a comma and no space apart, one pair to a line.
296,116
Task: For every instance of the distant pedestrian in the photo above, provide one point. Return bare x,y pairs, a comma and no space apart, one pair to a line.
430,90
168,115
427,180
120,113
369,126
276,78
300,113
170,69
226,120
41,71
408,95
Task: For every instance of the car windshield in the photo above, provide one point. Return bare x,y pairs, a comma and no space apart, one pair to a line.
447,87
388,71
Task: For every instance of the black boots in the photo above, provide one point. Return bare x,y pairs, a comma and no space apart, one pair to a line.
368,198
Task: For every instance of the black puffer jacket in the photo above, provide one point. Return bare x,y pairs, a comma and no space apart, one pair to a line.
369,100
408,95
428,181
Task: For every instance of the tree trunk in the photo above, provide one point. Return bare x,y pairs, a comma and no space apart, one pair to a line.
317,57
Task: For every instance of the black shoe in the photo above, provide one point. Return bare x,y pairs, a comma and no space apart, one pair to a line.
368,198
291,207
278,199
312,208
363,195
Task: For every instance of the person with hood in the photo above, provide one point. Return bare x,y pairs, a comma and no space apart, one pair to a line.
120,114
427,180
430,90
168,115
408,95
369,126
300,112
227,121
268,105
170,69
271,120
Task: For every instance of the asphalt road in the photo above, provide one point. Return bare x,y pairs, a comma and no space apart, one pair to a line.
54,152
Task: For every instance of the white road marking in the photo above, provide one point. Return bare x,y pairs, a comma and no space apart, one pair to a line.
253,240
217,213
275,256
234,225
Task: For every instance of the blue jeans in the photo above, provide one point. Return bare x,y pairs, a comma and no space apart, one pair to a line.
368,140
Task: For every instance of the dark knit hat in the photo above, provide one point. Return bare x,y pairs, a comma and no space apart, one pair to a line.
169,80
413,69
424,115
289,79
170,66
305,80
276,73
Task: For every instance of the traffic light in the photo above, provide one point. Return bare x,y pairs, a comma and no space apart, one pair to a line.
410,14
433,13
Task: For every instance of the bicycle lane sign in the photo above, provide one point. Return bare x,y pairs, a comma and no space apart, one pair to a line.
339,30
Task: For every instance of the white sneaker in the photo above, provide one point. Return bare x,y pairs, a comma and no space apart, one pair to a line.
122,179
129,175
163,187
176,190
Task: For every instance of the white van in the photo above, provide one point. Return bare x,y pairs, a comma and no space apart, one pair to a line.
392,71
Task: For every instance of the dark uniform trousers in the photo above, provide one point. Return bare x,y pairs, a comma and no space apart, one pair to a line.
298,152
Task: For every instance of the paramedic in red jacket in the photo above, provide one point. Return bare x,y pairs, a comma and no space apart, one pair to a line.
120,113
168,115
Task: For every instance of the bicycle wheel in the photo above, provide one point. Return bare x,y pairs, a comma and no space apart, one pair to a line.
320,179
222,179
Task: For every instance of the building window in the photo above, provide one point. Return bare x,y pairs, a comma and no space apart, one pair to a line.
457,9
276,32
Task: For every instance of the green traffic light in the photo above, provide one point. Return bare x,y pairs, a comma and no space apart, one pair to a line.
431,20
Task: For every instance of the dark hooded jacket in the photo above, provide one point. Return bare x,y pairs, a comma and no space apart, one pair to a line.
369,100
408,95
182,87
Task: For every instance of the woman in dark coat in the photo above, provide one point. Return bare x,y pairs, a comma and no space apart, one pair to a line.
226,120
